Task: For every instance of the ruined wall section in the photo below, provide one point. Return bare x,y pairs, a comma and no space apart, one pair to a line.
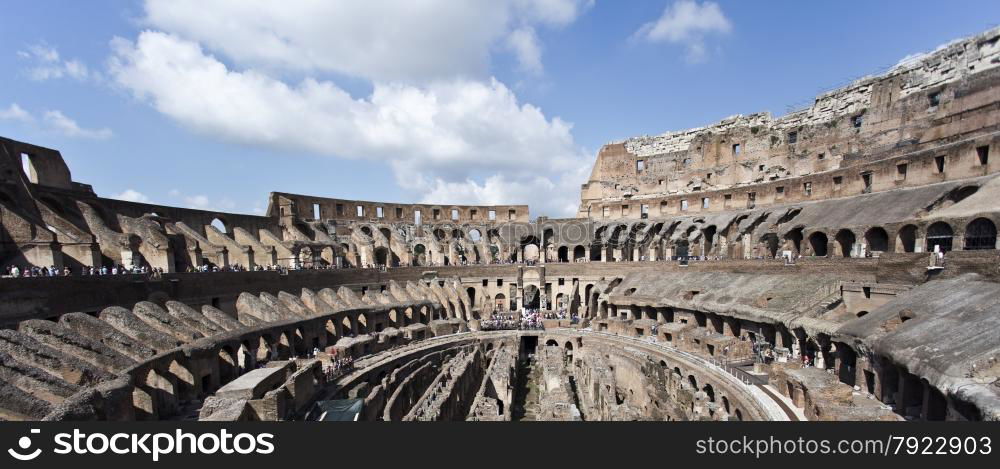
939,98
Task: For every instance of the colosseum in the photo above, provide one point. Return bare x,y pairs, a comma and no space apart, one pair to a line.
836,263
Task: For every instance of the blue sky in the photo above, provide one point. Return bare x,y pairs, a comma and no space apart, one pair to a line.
209,105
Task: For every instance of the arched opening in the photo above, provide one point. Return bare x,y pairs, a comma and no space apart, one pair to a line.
28,168
185,389
331,331
980,234
472,296
305,256
845,242
228,367
475,235
547,236
419,255
263,349
532,299
710,392
563,254
362,324
220,225
530,248
709,242
345,327
386,232
794,240
906,239
877,240
551,343
681,248
771,244
244,358
579,254
284,347
961,194
817,243
693,382
500,302
381,256
595,250
939,237
152,396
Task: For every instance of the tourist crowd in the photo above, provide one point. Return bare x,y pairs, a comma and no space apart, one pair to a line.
338,366
15,271
530,319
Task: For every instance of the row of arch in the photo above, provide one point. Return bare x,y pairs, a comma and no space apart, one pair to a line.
978,234
162,385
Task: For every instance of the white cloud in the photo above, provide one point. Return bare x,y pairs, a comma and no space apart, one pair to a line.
559,195
687,22
59,122
48,65
197,201
15,113
55,121
554,12
201,201
132,195
383,40
524,43
437,137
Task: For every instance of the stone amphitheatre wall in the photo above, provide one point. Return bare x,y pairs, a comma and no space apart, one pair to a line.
929,120
308,207
615,379
148,362
875,262
31,298
148,359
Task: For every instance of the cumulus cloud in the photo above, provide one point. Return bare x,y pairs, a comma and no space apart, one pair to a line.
524,43
687,22
15,113
554,12
48,65
262,73
132,195
59,122
439,137
560,193
386,40
54,121
201,201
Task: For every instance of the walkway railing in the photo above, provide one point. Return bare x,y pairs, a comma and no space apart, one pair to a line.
733,368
